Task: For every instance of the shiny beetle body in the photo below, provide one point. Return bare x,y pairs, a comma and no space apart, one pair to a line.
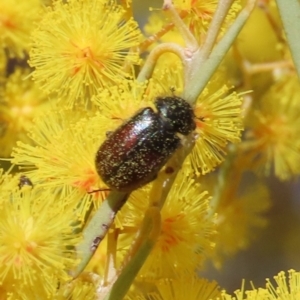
24,181
133,154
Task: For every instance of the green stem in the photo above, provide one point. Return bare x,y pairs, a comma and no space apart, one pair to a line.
149,65
190,41
111,259
204,70
200,74
147,237
163,184
290,16
97,228
214,27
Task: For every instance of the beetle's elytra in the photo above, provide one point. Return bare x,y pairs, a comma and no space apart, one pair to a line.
133,154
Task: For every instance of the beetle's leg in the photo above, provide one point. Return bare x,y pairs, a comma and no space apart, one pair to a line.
99,190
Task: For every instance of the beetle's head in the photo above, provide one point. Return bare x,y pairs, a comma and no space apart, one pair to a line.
178,112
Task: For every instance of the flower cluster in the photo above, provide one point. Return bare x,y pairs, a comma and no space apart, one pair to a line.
71,74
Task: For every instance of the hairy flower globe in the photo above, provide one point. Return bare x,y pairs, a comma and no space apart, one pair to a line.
89,41
16,24
187,286
36,242
274,131
20,102
248,211
61,153
187,231
286,287
78,77
218,122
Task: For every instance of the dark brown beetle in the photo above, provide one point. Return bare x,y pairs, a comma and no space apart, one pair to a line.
24,181
133,154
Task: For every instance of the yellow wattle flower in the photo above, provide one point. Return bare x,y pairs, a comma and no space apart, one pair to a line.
37,242
186,286
199,13
247,210
272,140
61,156
20,102
218,123
187,231
189,287
89,42
17,20
287,287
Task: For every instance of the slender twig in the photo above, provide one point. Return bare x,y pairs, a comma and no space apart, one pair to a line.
162,186
198,72
190,41
204,70
110,267
155,37
148,234
149,65
273,23
214,27
97,228
270,66
230,171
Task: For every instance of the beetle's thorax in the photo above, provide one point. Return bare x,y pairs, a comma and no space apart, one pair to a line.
177,113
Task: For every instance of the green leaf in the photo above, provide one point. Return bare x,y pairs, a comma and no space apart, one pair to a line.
290,16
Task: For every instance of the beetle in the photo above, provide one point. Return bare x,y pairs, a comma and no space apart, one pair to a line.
24,181
133,154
